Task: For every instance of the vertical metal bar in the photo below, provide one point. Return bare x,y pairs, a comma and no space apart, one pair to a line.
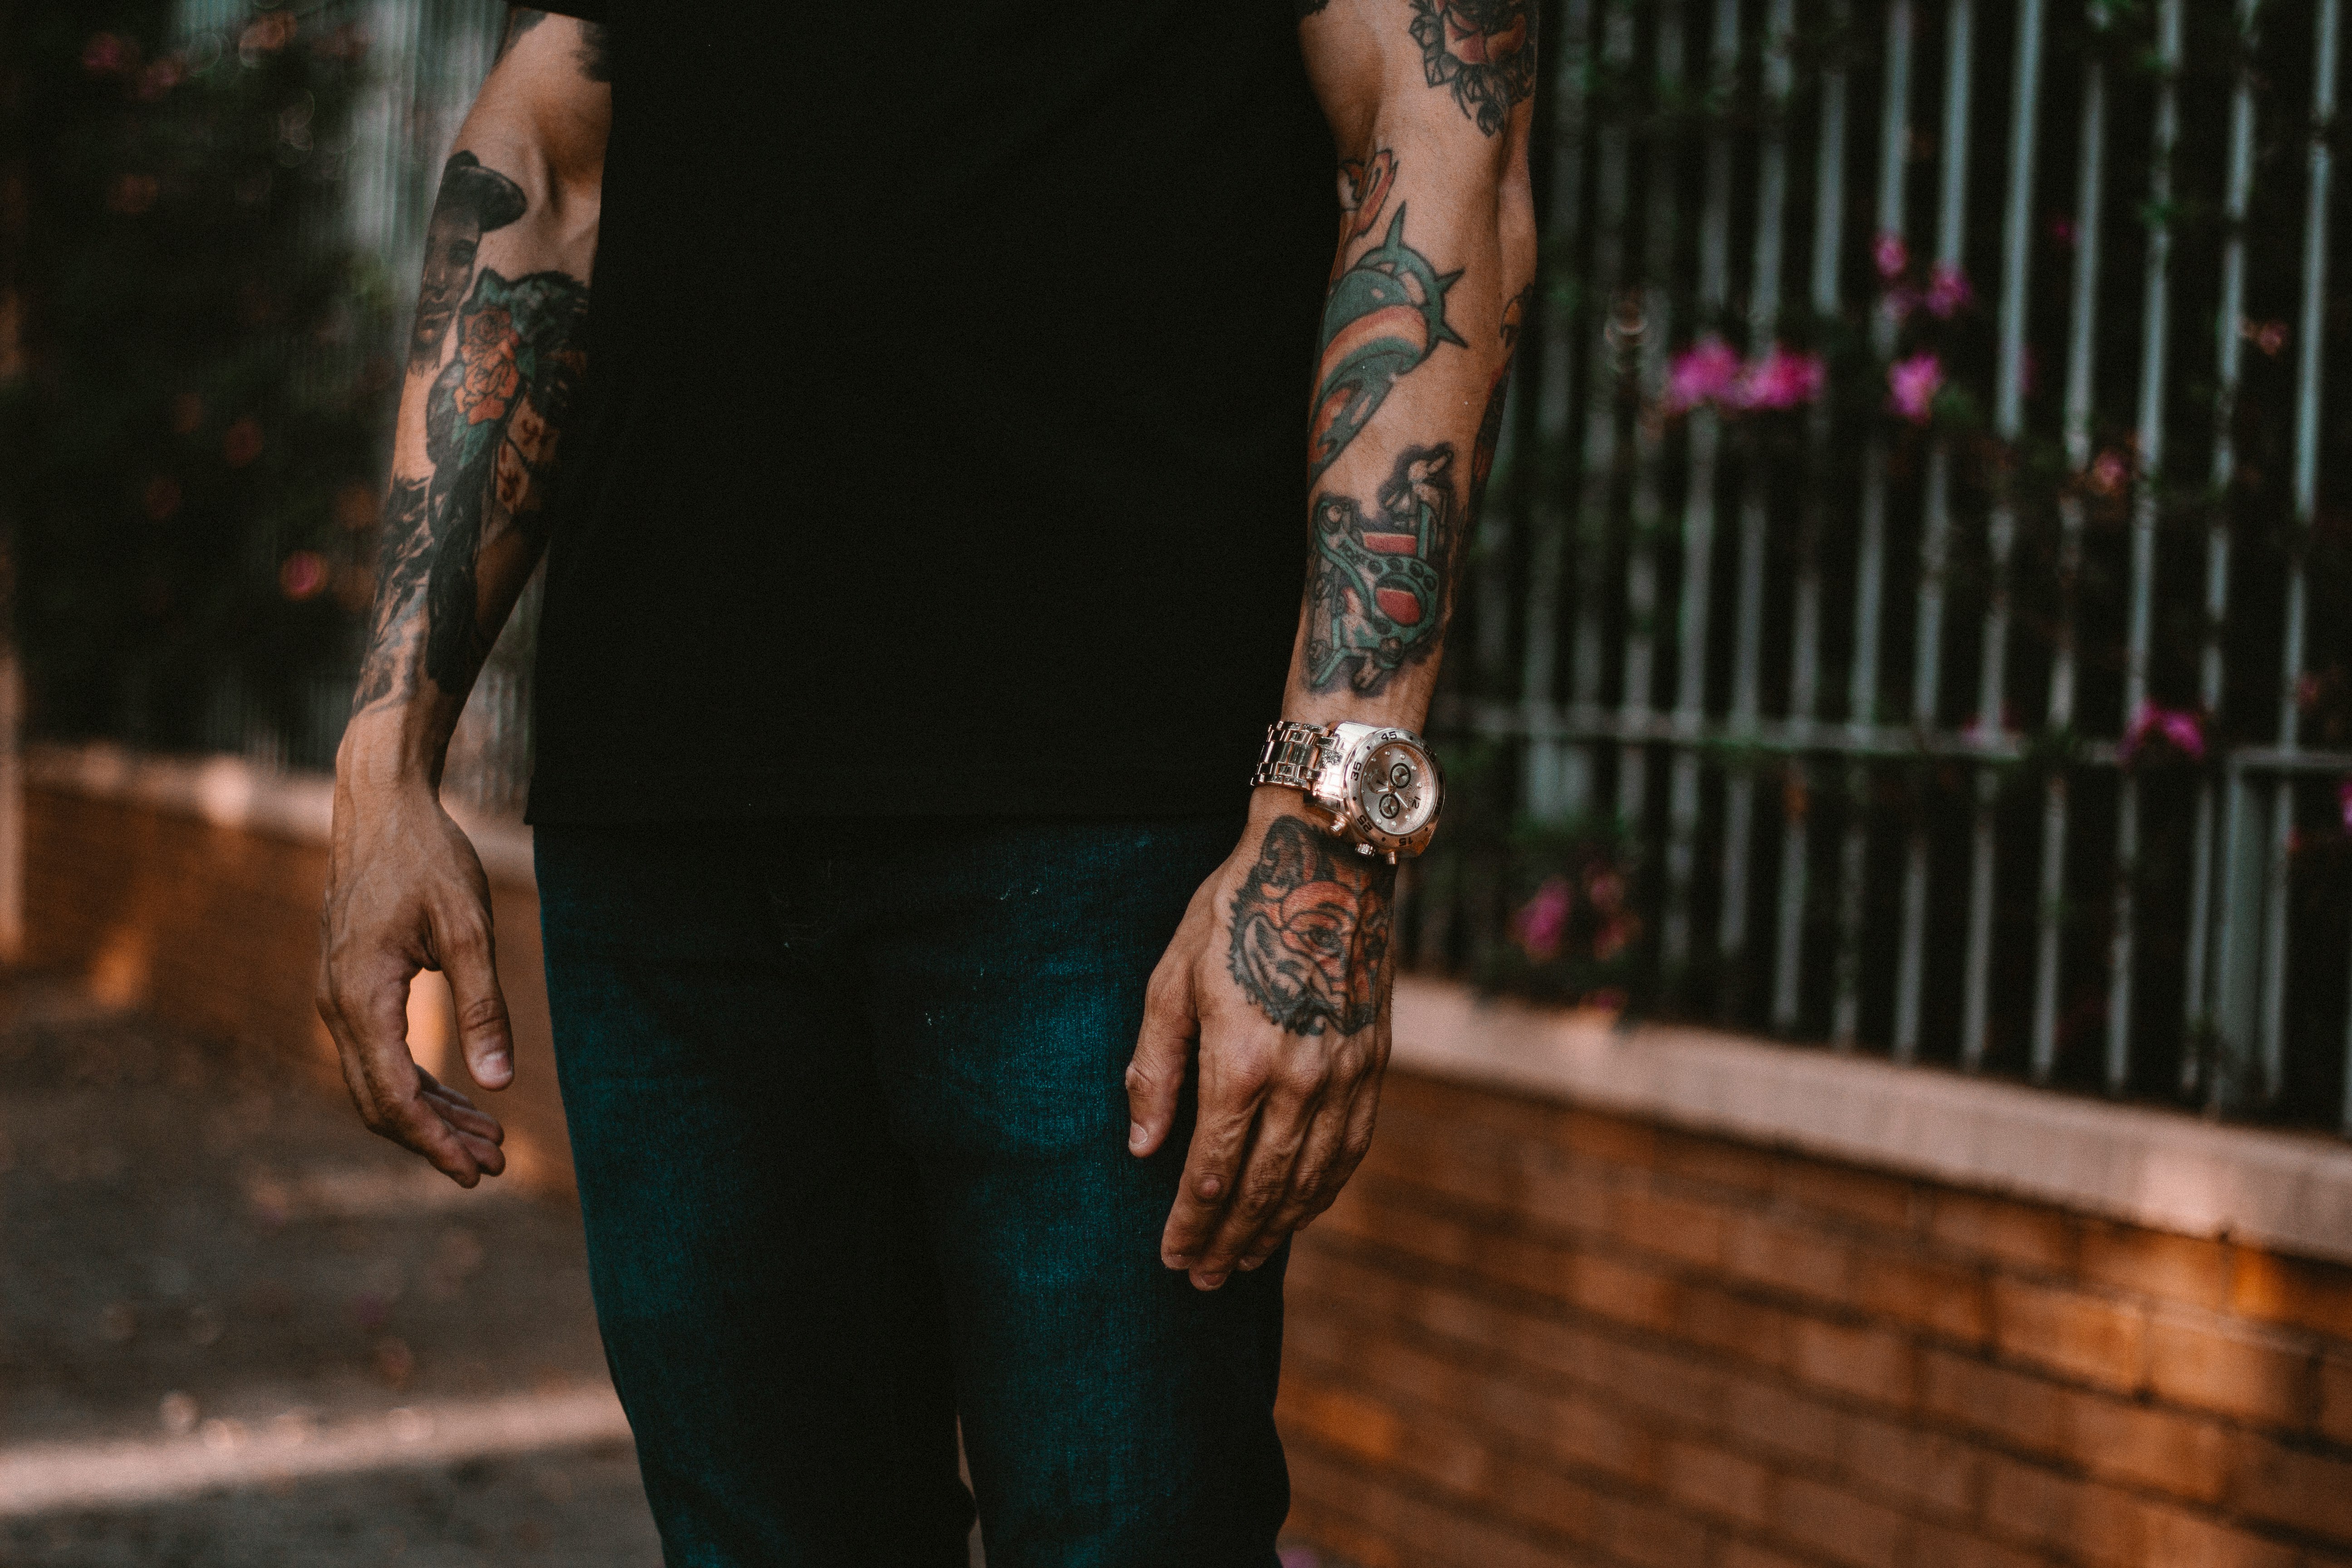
2228,348
1547,551
1698,516
2237,941
2081,352
1804,677
2001,531
1934,541
2154,313
1604,390
1870,573
1748,648
2310,342
1649,433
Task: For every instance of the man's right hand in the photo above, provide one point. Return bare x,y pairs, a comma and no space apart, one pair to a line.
405,892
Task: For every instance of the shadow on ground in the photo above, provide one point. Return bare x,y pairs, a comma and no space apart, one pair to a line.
236,1330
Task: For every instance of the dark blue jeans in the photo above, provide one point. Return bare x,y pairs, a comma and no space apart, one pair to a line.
848,1116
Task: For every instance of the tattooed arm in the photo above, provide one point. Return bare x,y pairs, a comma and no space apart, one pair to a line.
494,361
1280,972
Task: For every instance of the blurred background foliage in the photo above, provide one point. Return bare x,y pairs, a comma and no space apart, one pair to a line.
195,370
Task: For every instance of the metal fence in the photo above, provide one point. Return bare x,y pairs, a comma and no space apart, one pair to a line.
2000,722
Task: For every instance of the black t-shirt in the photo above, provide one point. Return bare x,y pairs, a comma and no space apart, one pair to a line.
942,445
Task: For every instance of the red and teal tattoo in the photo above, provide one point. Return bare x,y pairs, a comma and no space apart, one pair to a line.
1383,318
1376,586
1364,185
493,417
1310,943
1484,49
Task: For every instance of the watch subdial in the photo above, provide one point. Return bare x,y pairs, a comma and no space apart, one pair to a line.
1393,790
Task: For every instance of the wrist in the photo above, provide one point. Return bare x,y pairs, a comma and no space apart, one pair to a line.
382,753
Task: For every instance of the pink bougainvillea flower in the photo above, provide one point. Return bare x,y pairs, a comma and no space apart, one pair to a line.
2177,727
2268,336
2110,472
1912,385
1783,378
1542,920
105,55
1890,256
1949,292
1703,372
302,575
1898,302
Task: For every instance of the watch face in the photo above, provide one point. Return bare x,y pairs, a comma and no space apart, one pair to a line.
1396,793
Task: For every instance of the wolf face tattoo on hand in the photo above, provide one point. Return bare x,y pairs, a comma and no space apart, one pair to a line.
1310,943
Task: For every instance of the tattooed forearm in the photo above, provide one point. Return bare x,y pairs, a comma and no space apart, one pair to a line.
491,426
1383,318
1376,584
1484,49
503,368
1310,943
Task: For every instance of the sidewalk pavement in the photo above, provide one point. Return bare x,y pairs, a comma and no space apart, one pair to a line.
236,1330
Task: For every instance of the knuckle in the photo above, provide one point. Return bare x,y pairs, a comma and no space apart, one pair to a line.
482,1013
466,936
1302,1076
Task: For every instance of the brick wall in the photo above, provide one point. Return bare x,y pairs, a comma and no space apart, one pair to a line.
1534,1334
217,928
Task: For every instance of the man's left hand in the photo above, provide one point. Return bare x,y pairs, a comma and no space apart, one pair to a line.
1279,976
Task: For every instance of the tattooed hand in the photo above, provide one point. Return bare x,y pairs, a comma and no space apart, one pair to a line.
1280,975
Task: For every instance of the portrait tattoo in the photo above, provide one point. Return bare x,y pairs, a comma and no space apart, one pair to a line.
472,201
1376,584
1484,49
1383,317
1310,943
1490,424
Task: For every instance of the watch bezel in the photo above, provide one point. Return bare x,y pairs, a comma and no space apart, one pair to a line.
1344,755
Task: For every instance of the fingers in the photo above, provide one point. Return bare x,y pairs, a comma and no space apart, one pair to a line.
1355,1139
1230,1093
1163,1050
1283,1123
396,1099
1317,1154
468,960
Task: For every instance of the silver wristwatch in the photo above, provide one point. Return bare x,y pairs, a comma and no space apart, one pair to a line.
1377,786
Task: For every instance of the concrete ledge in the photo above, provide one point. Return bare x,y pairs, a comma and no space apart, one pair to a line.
2167,1170
229,791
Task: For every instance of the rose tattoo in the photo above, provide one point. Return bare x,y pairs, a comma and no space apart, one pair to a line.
1311,926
